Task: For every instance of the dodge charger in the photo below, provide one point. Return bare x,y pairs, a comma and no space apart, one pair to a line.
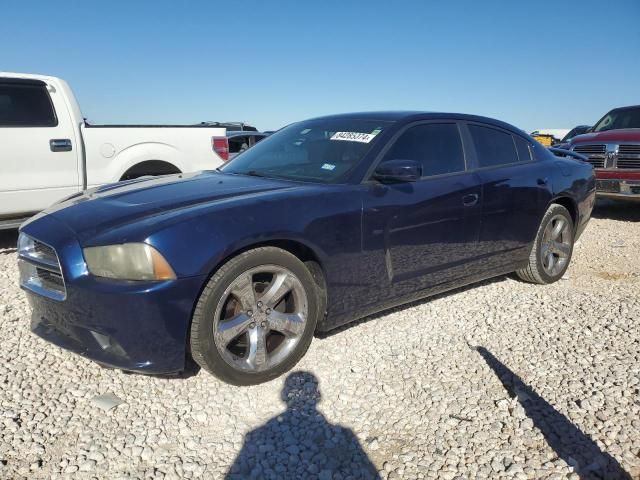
326,221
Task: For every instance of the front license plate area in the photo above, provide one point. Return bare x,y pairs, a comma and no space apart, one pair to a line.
610,186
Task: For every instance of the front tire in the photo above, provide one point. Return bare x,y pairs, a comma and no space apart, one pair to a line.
256,317
552,248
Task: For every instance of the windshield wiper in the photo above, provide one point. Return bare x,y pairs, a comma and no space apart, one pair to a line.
254,173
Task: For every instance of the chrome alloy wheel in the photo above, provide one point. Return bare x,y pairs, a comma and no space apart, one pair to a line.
555,248
260,318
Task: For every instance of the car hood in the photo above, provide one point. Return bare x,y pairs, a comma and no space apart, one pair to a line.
115,205
622,135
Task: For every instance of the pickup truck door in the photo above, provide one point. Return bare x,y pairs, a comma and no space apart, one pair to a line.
39,157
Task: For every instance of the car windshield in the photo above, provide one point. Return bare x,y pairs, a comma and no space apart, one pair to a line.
575,132
616,119
322,150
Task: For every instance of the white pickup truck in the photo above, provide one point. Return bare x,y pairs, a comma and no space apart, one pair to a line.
48,151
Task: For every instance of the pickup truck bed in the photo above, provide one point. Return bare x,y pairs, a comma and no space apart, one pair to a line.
48,151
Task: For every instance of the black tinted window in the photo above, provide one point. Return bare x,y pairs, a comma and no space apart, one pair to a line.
436,146
26,106
238,144
617,119
493,147
524,154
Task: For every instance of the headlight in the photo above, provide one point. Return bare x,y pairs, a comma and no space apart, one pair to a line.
25,244
129,261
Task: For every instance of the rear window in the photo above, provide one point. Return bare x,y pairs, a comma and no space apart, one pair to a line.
26,106
493,147
238,144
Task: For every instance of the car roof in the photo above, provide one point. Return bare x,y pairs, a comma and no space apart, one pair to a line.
629,107
236,133
412,116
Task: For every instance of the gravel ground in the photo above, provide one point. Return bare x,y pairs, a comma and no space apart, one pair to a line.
502,379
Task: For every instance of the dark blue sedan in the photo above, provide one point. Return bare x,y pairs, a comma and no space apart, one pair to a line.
326,221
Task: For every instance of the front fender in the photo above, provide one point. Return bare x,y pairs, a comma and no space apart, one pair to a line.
327,224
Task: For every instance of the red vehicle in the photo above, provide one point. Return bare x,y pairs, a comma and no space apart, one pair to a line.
613,148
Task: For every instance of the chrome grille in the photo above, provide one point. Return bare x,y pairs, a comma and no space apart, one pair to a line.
50,280
628,156
595,153
593,149
40,269
629,149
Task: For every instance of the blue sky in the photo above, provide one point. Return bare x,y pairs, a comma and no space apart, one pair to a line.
536,64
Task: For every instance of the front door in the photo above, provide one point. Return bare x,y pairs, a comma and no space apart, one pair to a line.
423,234
38,157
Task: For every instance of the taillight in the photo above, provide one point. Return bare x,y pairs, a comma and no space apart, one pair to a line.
221,147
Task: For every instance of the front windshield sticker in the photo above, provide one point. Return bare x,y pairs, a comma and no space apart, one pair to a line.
354,137
328,166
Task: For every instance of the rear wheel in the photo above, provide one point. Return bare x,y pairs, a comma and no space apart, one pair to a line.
552,248
256,317
149,168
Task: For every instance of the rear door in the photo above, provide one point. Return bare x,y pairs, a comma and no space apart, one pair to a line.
425,232
37,148
515,191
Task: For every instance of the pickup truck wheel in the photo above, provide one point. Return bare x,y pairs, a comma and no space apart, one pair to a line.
552,248
256,317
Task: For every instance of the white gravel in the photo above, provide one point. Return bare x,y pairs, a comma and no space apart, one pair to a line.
502,379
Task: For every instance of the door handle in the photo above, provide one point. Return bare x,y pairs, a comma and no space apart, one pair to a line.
470,200
60,145
543,181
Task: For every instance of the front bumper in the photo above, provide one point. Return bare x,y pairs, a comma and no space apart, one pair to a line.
139,326
618,185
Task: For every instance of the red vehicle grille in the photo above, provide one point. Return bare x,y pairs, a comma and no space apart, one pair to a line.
594,152
629,156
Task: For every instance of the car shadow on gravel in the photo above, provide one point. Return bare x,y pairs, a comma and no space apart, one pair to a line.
616,210
300,442
8,241
569,442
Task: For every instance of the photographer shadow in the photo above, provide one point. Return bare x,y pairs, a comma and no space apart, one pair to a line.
301,443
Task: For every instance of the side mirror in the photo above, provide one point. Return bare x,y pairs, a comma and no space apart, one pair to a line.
397,171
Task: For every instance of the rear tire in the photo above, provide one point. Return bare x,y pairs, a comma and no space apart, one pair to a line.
150,168
552,248
256,317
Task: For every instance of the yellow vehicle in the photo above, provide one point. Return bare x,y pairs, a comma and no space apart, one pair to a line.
544,139
549,136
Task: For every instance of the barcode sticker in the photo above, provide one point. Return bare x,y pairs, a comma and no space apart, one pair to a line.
353,137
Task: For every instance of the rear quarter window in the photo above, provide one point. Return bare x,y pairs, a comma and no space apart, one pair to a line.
523,148
26,106
493,147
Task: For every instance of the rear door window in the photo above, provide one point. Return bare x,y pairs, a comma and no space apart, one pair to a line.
437,147
493,147
26,106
